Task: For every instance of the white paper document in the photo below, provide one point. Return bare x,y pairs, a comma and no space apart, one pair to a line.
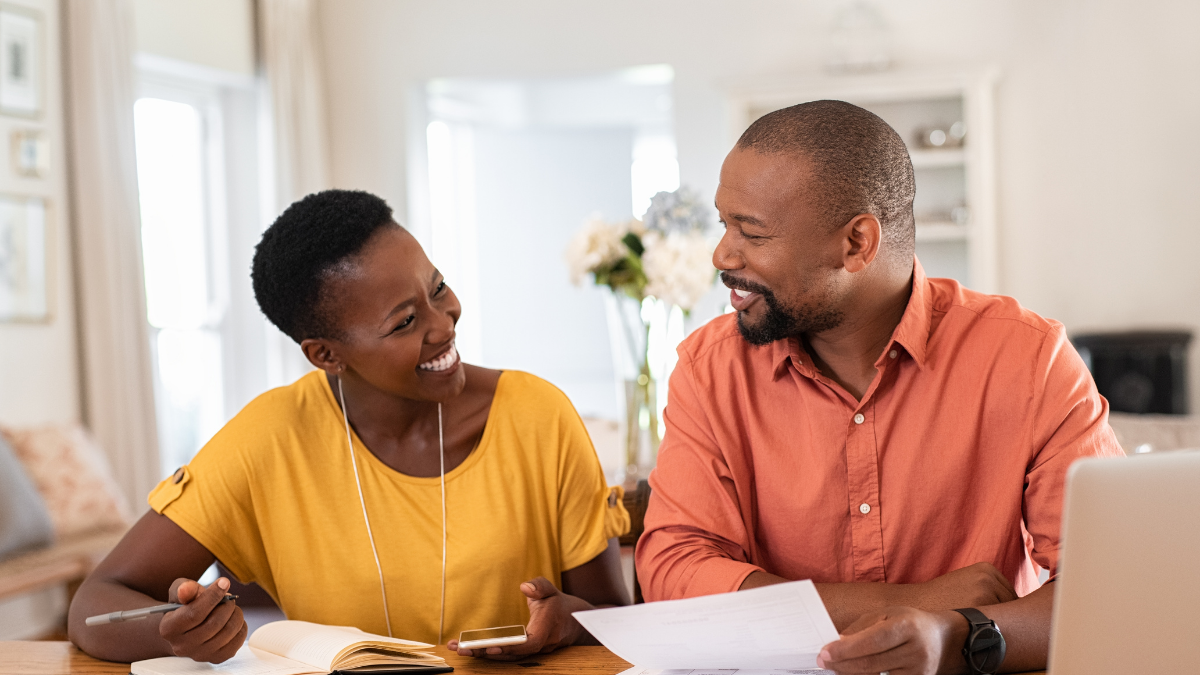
636,670
781,627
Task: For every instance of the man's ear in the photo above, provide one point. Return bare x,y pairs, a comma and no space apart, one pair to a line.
863,236
321,354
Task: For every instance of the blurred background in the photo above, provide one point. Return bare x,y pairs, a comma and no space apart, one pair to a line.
151,142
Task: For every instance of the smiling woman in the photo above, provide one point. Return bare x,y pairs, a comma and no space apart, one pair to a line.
395,488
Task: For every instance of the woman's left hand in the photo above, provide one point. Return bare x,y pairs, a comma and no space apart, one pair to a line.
550,623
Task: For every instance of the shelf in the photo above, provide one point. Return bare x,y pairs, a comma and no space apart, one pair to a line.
941,231
936,159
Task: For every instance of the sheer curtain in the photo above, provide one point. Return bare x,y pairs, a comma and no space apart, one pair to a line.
289,47
117,373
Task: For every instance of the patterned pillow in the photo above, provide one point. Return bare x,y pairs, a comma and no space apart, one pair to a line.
72,474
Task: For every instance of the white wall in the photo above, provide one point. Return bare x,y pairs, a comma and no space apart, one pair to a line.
216,34
1097,112
39,362
534,188
39,365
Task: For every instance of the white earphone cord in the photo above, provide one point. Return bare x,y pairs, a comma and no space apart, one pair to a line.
387,614
442,454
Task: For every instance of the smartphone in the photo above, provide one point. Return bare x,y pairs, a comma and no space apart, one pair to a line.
492,637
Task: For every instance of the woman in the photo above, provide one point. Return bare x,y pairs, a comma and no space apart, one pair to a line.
395,488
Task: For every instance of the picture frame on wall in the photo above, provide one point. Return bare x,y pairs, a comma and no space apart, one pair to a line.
24,260
20,61
29,153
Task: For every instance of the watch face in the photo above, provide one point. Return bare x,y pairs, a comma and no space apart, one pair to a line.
986,650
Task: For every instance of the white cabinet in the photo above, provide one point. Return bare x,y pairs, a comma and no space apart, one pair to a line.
955,206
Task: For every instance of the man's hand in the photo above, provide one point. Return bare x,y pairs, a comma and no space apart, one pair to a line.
206,628
899,639
978,585
550,623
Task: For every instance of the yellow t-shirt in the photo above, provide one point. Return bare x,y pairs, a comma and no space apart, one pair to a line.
273,497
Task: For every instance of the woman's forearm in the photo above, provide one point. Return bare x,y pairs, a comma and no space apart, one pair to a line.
124,642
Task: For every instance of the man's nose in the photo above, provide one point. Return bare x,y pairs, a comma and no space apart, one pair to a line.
726,256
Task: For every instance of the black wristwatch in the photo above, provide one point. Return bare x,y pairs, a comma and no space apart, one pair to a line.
985,648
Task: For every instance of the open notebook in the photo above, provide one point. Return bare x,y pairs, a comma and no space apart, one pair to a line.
303,648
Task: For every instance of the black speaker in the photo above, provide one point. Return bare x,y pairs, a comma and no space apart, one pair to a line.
1140,371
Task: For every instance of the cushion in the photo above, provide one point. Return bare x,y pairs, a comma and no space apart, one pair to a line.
24,521
73,477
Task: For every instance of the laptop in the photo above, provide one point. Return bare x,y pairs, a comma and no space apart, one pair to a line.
1127,595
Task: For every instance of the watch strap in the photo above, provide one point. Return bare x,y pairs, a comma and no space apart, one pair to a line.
975,617
985,658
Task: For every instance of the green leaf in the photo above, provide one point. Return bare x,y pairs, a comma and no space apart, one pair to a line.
634,243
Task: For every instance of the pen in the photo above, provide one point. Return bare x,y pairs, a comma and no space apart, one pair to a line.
135,614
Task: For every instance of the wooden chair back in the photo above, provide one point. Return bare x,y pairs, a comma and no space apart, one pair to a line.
635,503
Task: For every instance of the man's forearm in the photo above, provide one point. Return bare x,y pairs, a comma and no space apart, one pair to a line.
844,602
1024,622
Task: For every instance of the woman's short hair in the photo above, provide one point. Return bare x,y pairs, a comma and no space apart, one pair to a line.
303,248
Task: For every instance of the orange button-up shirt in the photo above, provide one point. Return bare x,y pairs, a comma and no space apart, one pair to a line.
959,447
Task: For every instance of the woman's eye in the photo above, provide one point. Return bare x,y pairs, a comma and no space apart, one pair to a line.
440,287
404,323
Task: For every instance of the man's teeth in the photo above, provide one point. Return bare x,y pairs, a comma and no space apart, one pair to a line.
442,362
742,294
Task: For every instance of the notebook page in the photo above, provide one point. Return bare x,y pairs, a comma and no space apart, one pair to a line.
247,661
317,645
309,643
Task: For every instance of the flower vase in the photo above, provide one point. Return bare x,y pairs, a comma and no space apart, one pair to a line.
642,435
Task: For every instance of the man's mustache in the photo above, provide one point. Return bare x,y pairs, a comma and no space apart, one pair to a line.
737,284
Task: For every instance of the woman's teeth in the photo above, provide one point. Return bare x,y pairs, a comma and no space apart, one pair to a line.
442,362
742,294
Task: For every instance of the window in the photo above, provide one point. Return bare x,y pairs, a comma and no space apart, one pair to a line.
185,302
197,135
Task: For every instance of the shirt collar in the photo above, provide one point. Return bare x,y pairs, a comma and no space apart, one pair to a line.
912,333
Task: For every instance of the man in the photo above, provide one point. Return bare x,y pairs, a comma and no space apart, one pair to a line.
901,441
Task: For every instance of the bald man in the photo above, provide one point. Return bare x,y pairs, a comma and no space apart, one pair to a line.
900,440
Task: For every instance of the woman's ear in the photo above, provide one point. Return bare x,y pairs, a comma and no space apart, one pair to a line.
320,353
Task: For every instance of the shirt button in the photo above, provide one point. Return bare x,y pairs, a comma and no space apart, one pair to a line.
858,419
892,354
864,508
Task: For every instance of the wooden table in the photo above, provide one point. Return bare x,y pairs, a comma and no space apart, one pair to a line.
62,658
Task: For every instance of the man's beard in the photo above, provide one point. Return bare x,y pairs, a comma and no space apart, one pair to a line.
781,322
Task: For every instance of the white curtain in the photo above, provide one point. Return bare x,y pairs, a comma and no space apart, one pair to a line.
289,45
117,373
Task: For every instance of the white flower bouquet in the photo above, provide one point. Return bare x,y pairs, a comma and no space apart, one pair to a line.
660,262
668,256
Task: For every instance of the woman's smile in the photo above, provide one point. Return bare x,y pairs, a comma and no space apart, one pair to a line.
445,363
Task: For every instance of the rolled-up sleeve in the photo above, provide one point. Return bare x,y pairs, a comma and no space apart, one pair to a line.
696,540
1069,422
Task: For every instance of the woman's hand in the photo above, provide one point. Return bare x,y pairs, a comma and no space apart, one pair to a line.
550,623
899,639
206,628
